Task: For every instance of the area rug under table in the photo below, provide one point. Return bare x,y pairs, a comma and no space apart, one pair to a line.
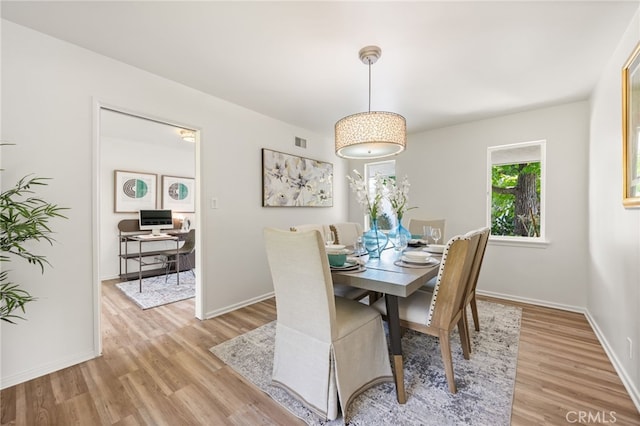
157,292
485,382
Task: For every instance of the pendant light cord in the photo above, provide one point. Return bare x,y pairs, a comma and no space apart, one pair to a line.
369,60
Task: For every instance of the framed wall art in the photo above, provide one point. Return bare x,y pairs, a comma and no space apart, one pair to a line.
292,181
178,194
134,191
631,130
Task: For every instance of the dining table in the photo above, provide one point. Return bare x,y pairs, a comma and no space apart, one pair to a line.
393,278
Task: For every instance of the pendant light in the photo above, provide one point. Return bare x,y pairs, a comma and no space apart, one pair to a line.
372,134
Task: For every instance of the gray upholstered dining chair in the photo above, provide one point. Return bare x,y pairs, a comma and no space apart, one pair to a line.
416,226
183,252
470,293
437,313
327,349
347,232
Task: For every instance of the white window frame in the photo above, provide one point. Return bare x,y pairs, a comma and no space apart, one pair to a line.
387,168
540,241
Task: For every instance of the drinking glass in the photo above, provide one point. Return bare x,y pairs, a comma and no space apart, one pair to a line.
436,234
359,247
401,243
426,232
330,238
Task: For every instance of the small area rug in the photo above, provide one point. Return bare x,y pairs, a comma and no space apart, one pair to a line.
157,292
485,382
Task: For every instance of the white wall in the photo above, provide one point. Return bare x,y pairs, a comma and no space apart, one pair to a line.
613,286
453,160
47,108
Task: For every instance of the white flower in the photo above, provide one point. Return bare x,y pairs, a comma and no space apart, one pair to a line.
370,202
398,195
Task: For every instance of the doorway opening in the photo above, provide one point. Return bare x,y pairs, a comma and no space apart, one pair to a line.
165,154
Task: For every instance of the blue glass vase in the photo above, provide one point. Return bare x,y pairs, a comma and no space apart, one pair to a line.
400,230
374,240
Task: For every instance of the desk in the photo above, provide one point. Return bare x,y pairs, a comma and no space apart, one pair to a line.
141,254
394,281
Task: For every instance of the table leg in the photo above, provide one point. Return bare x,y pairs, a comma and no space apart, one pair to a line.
393,318
178,261
140,266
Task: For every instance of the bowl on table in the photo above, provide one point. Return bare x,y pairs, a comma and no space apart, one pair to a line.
335,248
337,259
416,256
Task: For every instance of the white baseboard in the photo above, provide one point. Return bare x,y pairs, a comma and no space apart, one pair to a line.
617,365
218,312
536,302
45,369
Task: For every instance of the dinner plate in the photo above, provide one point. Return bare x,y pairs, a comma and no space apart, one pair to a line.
416,243
427,261
348,266
416,255
434,248
405,264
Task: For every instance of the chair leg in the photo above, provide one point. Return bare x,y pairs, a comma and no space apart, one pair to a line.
474,312
166,269
445,349
463,330
185,259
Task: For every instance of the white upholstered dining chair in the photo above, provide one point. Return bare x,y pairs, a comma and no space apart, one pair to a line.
327,349
345,291
437,313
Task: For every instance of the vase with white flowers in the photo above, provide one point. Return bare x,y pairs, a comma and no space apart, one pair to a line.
398,196
374,240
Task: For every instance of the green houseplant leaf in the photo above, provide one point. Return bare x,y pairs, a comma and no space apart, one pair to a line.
24,218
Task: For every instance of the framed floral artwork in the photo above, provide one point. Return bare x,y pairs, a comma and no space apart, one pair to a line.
631,130
134,191
293,181
178,194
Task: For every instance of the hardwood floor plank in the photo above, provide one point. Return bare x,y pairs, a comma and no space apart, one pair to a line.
157,369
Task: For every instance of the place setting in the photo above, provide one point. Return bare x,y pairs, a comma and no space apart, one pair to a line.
341,259
416,259
435,234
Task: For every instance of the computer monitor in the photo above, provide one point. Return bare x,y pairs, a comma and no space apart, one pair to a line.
155,220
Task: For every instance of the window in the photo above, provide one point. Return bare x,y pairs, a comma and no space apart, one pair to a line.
515,194
387,219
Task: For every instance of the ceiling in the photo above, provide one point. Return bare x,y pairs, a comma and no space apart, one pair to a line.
442,62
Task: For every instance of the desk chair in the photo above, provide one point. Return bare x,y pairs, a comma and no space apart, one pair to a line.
184,251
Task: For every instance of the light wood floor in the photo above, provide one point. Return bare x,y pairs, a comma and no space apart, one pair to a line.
157,370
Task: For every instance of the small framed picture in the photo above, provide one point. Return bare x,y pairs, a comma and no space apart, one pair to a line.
134,191
178,194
